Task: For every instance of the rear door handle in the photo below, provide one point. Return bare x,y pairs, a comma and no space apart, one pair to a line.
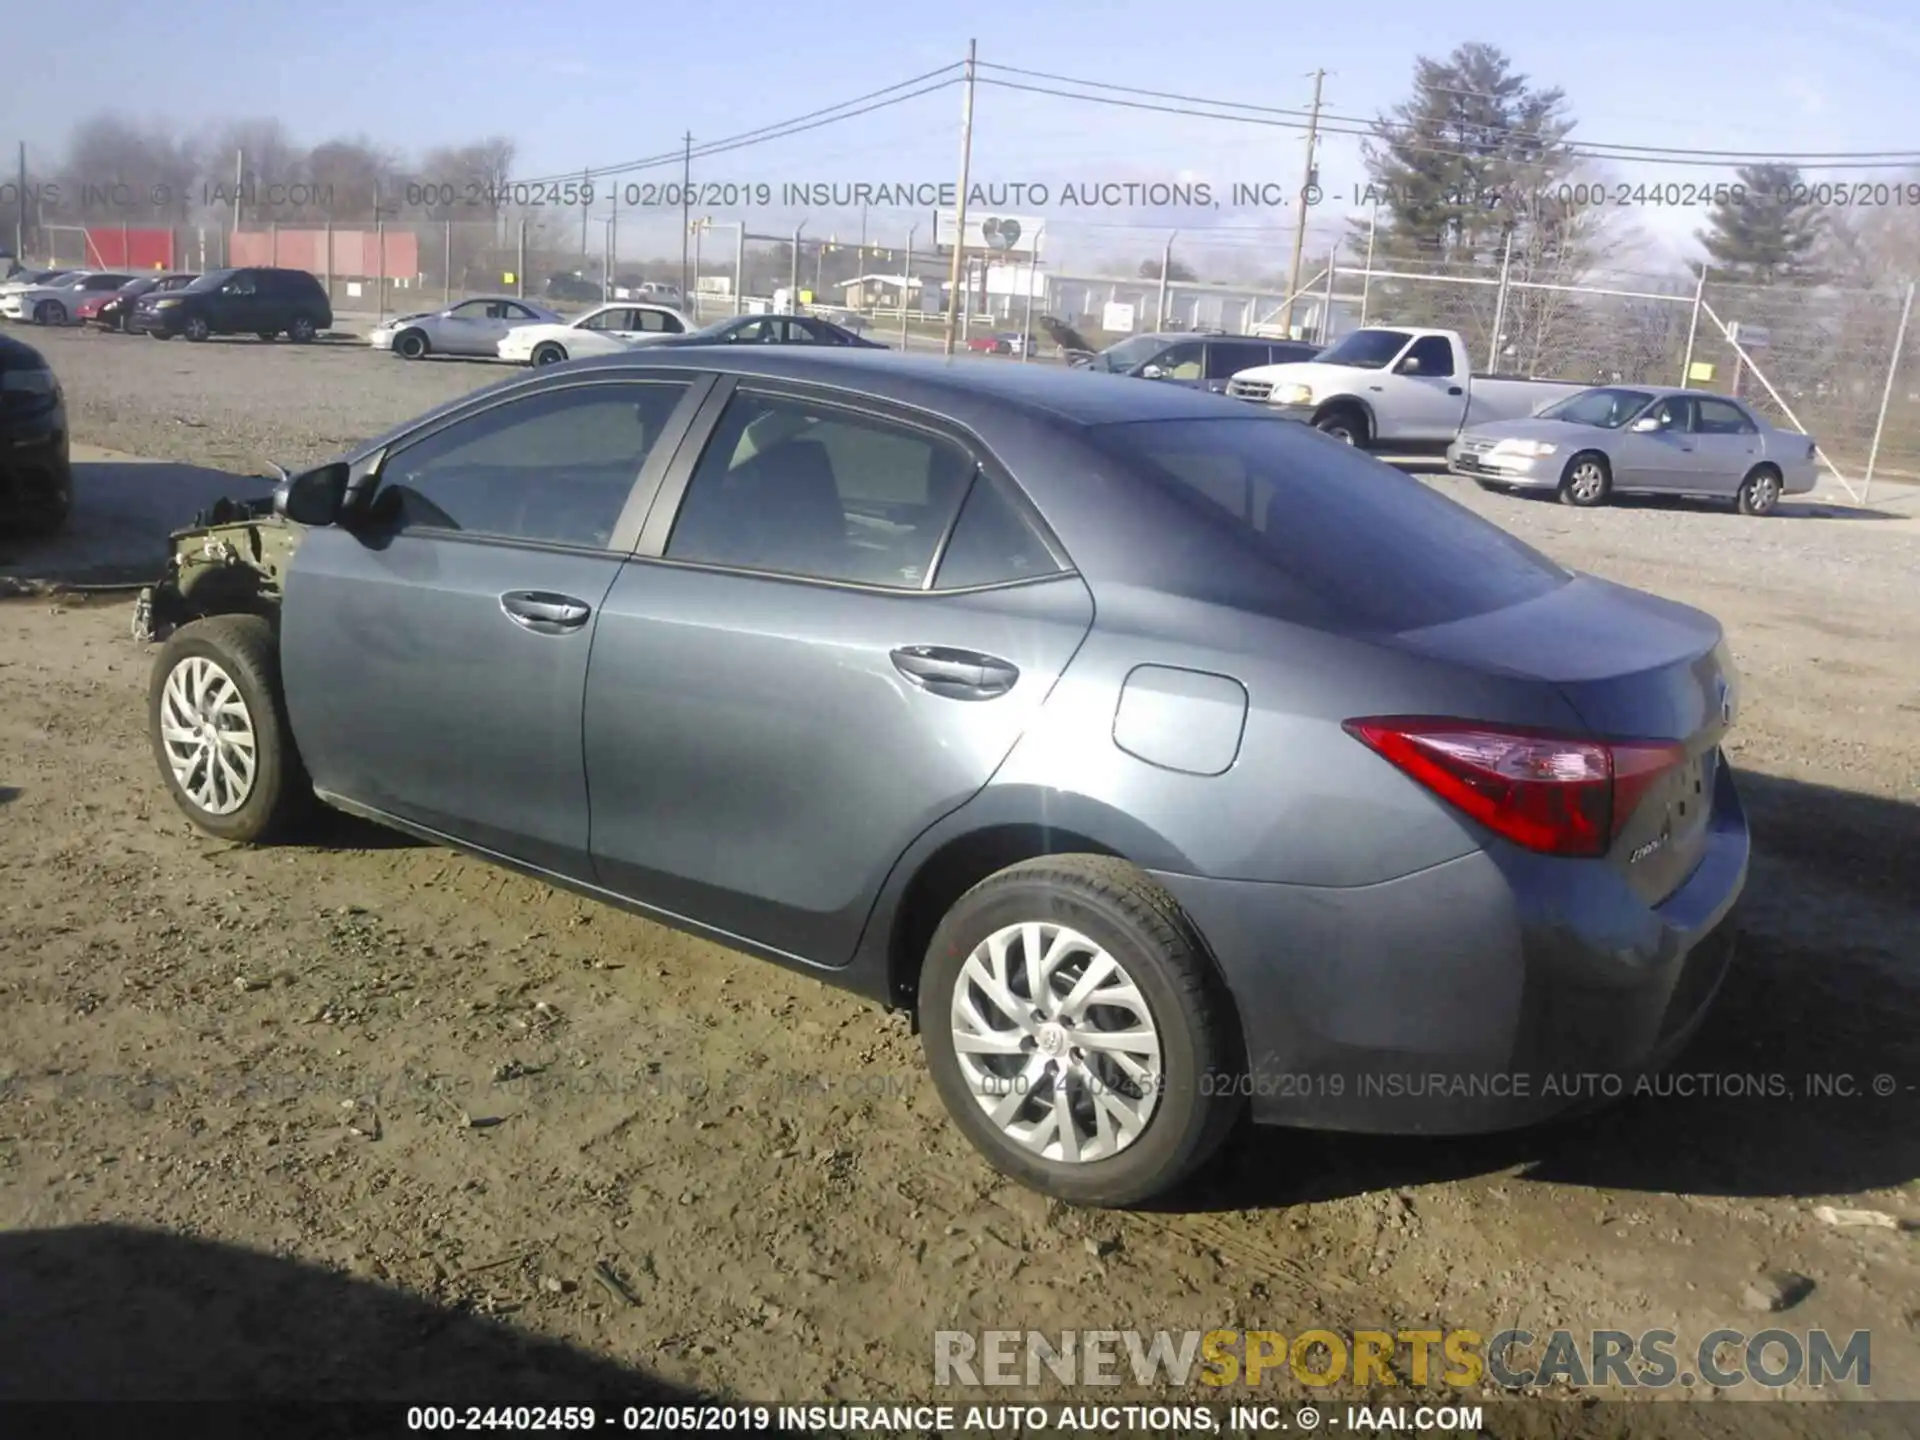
544,612
955,674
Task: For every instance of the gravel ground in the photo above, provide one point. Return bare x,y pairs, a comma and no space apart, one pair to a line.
454,1090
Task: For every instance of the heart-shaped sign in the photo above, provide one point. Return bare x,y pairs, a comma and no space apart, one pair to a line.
1000,234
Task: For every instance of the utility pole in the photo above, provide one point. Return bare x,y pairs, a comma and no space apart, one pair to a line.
20,215
960,206
1306,199
239,179
586,189
686,219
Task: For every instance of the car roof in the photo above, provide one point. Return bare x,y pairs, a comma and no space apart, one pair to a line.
938,383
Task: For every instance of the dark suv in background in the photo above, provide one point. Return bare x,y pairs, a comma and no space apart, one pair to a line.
1200,360
257,300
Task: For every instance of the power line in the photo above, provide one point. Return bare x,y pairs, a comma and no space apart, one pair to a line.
794,126
1370,129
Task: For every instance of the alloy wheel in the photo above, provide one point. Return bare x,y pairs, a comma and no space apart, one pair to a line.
1056,1042
1587,482
210,743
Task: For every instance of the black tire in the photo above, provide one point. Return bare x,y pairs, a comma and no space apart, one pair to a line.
1587,481
50,516
279,794
1112,904
412,345
1346,424
196,329
302,330
49,312
1760,491
548,352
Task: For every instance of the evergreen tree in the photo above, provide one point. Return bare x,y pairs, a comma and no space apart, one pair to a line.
1176,272
1766,229
1465,158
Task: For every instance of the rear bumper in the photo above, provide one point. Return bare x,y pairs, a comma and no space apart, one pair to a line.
1486,993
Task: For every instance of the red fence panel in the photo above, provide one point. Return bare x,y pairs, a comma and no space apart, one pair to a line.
117,247
357,254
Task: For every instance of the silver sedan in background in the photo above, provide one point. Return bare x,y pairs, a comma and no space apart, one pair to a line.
472,327
1643,440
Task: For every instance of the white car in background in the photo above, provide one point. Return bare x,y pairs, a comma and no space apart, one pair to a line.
472,327
55,303
606,330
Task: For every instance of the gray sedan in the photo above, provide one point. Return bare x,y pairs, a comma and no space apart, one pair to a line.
1641,440
472,327
1162,758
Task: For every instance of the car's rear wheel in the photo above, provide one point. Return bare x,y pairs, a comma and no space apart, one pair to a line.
1345,424
548,353
411,345
1077,1033
1760,491
302,330
196,329
49,312
1587,480
220,732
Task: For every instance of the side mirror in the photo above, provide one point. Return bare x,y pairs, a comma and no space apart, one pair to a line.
1646,425
313,498
1152,372
1409,366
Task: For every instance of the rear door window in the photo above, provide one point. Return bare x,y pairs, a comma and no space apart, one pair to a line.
1227,358
1349,541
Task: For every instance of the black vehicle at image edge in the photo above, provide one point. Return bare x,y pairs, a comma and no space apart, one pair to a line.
36,475
256,300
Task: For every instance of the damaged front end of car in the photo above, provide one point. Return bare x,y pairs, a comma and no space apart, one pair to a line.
231,561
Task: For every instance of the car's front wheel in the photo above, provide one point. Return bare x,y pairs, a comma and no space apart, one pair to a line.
1587,481
196,330
411,345
548,353
220,732
1077,1033
50,312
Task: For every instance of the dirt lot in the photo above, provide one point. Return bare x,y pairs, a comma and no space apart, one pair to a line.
457,1093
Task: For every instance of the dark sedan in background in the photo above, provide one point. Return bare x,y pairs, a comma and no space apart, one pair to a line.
36,475
110,311
1161,756
1201,361
771,330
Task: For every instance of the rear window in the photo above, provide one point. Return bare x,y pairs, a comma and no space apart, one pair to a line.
1356,543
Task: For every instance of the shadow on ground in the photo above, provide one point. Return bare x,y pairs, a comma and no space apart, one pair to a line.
1826,983
1785,510
123,512
110,1312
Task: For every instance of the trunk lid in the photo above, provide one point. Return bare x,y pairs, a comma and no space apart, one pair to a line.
1633,667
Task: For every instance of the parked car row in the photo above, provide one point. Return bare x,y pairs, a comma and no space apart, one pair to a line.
528,334
266,301
1413,391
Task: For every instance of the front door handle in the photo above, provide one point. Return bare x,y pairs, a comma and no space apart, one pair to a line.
955,674
544,612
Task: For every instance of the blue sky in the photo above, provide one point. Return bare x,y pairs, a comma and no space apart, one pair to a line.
591,83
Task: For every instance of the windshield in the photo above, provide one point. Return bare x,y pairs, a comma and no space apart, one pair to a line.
1609,409
1367,349
1128,354
1349,541
213,280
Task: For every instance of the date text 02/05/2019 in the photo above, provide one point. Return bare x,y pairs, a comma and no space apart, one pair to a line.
1672,194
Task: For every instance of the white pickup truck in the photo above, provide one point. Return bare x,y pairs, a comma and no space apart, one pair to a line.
1395,389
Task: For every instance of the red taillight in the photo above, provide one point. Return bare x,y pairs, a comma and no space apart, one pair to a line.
1557,794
